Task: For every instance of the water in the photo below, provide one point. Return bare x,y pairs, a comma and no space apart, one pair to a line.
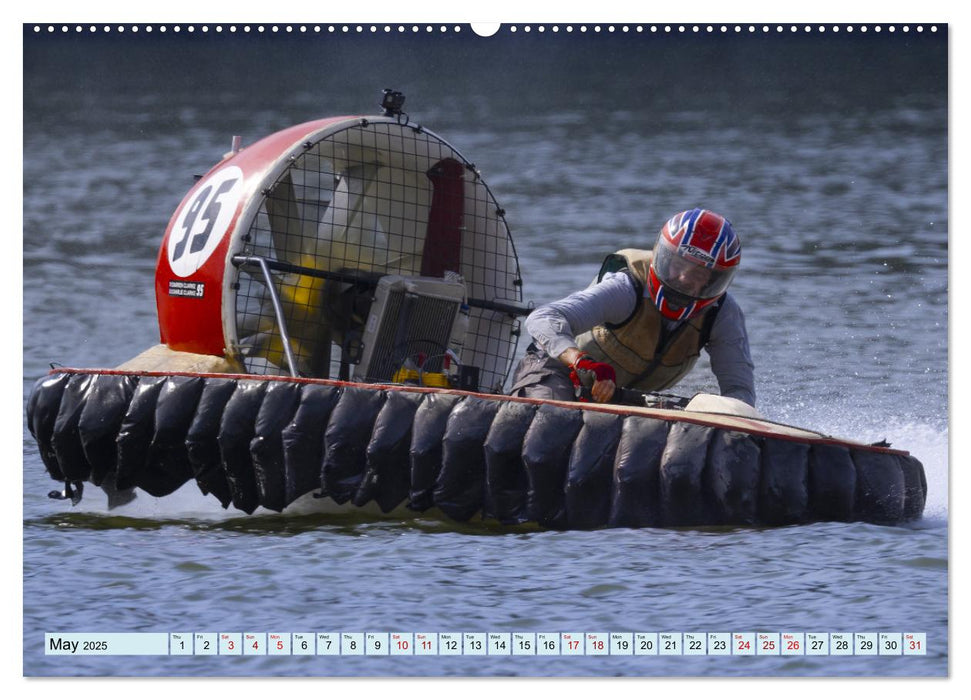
829,154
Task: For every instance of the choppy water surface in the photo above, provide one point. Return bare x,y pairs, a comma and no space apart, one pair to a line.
828,153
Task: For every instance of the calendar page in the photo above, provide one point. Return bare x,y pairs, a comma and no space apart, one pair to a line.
826,146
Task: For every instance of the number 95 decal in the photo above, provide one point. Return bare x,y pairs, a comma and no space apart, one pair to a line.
204,220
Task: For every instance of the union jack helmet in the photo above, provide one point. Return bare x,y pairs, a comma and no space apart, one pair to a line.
695,258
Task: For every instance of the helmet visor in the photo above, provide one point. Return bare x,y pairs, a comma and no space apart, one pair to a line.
689,275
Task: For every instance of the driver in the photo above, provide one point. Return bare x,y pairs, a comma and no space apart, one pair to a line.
644,321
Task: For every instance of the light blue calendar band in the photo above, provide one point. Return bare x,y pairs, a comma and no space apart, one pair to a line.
486,644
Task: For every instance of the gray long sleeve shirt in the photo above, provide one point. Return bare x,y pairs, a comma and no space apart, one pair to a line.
554,327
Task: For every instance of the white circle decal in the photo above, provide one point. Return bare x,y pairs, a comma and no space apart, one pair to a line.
204,220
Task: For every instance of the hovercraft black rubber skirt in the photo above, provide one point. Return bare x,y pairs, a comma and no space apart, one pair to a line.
266,441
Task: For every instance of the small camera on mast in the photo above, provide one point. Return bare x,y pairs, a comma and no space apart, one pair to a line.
392,103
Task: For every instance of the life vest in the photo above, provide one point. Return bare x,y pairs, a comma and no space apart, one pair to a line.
644,355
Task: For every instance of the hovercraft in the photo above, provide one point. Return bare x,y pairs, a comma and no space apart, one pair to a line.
339,309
